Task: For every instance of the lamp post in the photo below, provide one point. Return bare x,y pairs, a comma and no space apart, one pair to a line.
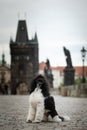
83,52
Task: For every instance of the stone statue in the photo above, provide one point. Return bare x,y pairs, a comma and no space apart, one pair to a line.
69,72
48,73
68,57
3,59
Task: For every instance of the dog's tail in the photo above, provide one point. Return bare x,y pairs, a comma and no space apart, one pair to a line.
64,118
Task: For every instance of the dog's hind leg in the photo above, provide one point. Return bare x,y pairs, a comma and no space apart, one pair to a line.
31,114
54,115
64,118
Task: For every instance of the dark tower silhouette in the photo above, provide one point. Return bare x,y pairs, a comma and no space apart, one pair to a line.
24,57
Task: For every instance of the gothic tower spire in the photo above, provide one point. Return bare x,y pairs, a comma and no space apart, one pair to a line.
22,34
35,38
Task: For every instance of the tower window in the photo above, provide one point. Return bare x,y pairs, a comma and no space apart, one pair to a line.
22,28
27,57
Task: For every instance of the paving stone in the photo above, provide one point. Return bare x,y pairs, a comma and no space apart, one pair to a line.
14,109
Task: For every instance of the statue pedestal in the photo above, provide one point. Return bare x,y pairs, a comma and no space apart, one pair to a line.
69,74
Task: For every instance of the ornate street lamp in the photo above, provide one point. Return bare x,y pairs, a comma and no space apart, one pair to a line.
83,52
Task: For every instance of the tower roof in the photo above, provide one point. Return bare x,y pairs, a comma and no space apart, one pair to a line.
22,34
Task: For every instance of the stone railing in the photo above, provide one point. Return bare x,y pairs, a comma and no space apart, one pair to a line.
79,90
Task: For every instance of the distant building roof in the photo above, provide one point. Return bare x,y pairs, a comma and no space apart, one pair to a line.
42,65
78,69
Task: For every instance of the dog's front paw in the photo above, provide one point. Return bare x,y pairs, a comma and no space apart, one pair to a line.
28,121
36,121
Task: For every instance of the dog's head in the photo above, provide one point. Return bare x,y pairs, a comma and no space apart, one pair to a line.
41,83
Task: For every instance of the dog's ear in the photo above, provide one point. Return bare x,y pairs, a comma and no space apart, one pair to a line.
33,83
45,87
32,86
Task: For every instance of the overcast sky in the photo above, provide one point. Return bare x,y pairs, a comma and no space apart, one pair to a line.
58,23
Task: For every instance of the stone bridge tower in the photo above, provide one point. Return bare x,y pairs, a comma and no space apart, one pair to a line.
24,57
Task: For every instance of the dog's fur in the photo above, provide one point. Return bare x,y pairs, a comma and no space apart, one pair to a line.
41,104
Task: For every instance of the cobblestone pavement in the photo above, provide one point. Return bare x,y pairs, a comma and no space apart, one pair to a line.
14,109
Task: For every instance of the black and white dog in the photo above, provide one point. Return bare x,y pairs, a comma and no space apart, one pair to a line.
41,104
